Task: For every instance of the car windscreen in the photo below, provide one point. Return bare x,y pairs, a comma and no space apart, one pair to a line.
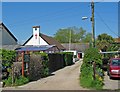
115,62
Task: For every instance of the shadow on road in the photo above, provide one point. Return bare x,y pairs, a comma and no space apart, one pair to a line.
115,79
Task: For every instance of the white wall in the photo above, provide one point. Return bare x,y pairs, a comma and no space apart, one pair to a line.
36,35
7,39
74,51
32,40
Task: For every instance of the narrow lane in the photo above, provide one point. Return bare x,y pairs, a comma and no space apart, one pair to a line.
111,84
63,79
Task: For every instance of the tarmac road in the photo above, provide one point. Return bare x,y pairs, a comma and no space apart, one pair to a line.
63,79
111,84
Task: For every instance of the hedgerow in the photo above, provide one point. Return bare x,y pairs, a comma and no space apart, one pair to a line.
86,77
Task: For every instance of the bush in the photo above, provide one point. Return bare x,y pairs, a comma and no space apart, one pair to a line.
8,56
38,66
21,80
18,81
92,54
8,82
45,68
68,58
86,76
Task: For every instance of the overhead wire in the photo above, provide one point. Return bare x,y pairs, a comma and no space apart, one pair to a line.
106,24
103,19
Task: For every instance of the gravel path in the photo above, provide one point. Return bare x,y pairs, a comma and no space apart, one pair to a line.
63,79
111,84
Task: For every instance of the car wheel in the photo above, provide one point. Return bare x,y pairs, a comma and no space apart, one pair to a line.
110,77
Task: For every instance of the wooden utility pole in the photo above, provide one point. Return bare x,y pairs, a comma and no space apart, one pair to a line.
93,24
70,40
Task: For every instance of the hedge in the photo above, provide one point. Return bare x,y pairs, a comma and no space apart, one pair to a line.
86,76
68,58
38,67
7,57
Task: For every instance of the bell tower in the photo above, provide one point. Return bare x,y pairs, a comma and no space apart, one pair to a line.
36,37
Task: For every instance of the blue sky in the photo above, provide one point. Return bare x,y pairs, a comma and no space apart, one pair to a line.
19,17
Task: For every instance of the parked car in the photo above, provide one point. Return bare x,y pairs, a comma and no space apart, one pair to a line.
114,68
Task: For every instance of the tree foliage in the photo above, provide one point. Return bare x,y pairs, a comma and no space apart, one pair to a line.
92,54
87,38
76,35
104,42
7,57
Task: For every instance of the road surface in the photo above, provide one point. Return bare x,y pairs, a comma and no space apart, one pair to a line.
111,84
63,79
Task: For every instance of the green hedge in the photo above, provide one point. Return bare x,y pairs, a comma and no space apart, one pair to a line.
7,57
45,68
92,54
17,82
86,76
68,58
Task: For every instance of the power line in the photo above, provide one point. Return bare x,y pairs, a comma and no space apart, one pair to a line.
106,24
103,19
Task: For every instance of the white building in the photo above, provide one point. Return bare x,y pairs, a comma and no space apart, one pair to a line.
6,37
38,39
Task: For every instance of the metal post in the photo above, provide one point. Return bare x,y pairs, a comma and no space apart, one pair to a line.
93,24
23,64
13,74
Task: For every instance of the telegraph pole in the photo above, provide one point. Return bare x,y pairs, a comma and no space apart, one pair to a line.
70,41
93,24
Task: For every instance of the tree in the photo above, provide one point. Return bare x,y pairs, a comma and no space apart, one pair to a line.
76,34
87,38
7,57
104,42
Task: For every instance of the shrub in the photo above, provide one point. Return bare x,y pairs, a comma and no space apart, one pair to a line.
18,81
86,76
45,69
68,58
35,66
92,54
38,67
8,82
8,56
21,80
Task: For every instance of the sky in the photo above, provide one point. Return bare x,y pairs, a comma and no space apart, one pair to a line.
20,17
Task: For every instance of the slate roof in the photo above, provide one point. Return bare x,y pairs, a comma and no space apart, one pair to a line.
1,24
76,46
35,48
9,47
49,40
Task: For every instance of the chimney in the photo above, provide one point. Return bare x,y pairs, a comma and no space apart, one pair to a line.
36,37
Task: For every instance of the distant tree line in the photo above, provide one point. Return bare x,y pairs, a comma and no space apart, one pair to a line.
75,34
104,42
